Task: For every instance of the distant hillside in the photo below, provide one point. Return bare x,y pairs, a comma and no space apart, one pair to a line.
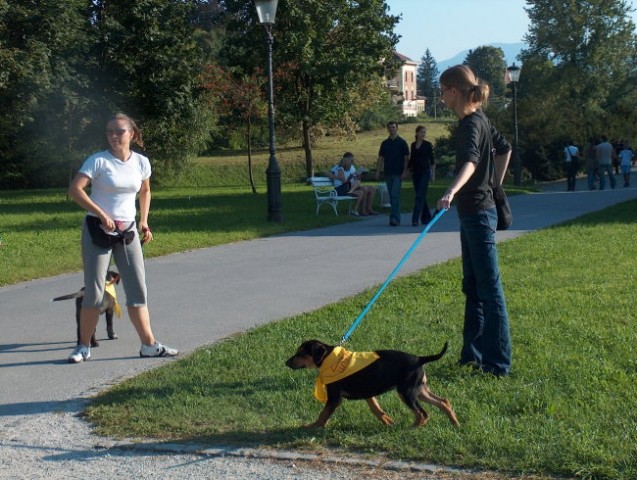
511,51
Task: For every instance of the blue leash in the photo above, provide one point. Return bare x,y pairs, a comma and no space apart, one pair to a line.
360,317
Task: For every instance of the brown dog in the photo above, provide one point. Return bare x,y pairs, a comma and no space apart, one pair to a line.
108,307
377,373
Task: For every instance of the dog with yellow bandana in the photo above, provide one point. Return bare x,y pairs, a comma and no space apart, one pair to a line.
364,375
109,306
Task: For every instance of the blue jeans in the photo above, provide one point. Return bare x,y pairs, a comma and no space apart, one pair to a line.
421,208
602,177
394,184
486,337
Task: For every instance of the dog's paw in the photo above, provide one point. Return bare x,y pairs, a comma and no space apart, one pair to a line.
112,336
386,419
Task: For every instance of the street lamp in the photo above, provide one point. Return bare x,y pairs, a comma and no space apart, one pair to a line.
514,76
266,9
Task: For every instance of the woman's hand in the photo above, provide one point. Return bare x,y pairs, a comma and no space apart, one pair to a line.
445,201
147,235
108,224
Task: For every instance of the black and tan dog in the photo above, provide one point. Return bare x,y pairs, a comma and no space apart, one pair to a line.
358,376
109,306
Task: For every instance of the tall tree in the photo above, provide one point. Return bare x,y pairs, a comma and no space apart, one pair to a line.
489,64
427,81
578,78
149,64
321,48
40,87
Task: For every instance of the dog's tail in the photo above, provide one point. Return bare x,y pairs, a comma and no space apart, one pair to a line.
69,296
433,358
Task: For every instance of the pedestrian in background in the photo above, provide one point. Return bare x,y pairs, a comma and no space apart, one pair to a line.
422,167
605,154
590,164
571,161
393,158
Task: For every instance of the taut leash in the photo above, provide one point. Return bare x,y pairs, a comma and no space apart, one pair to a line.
360,317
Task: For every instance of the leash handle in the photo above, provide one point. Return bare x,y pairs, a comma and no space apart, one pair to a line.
360,317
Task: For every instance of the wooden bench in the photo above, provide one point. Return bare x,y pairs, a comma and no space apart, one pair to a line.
325,193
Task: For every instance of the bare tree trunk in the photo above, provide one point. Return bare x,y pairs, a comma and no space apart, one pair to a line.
307,146
250,175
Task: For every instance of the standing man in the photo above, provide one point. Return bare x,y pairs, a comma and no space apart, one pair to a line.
605,154
393,160
571,160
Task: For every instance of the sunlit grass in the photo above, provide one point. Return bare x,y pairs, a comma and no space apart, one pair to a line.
568,408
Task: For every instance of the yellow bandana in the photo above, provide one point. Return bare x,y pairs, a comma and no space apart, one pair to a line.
338,364
110,289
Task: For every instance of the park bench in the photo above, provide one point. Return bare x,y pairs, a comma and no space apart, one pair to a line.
325,193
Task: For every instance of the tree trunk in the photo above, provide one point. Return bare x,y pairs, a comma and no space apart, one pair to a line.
307,146
250,175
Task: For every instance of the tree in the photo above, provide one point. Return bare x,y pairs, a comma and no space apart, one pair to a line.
148,63
488,63
578,79
427,81
43,111
320,50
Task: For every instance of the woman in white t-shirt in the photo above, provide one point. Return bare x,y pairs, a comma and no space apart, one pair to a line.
115,176
347,181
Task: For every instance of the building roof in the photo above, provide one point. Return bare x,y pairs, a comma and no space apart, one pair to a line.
403,58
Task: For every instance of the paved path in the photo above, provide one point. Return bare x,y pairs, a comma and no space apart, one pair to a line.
200,297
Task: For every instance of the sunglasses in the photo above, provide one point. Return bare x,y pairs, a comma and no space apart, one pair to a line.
117,131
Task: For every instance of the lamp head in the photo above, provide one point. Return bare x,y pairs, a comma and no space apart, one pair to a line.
266,9
514,72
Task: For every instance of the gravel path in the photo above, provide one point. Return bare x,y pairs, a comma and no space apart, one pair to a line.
60,445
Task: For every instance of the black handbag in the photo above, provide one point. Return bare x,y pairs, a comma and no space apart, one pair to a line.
502,205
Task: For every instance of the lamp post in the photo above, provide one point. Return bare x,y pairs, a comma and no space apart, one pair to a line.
266,10
514,75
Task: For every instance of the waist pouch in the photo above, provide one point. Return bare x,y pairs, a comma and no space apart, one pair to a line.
103,239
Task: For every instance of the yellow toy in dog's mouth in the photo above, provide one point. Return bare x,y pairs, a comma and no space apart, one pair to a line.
110,289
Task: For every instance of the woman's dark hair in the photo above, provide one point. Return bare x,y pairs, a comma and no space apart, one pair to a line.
137,133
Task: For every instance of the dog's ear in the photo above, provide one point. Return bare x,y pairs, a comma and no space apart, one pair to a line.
318,353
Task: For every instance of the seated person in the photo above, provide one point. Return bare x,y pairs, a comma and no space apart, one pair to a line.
348,182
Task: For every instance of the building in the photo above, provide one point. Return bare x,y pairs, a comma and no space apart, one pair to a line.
403,87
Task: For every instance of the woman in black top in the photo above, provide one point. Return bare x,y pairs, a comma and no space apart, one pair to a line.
486,337
421,165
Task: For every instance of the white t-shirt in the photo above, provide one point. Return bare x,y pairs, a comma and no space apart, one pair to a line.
114,184
347,173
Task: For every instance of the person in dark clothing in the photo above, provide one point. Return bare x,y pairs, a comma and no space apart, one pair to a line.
393,157
422,166
486,336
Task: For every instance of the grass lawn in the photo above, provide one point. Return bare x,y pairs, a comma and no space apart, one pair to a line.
568,409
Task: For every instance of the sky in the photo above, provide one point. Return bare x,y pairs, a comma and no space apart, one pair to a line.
448,27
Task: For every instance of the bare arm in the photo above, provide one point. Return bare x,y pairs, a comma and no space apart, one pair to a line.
501,163
465,173
379,166
77,191
144,208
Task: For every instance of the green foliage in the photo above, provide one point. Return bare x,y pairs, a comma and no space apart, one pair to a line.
578,78
322,51
488,64
568,409
427,82
60,82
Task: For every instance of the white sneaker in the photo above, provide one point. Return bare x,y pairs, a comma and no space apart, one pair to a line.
80,353
157,350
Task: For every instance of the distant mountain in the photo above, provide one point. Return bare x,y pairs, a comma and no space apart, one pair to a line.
511,51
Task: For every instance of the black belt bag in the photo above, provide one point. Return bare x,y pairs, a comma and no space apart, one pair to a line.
103,239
